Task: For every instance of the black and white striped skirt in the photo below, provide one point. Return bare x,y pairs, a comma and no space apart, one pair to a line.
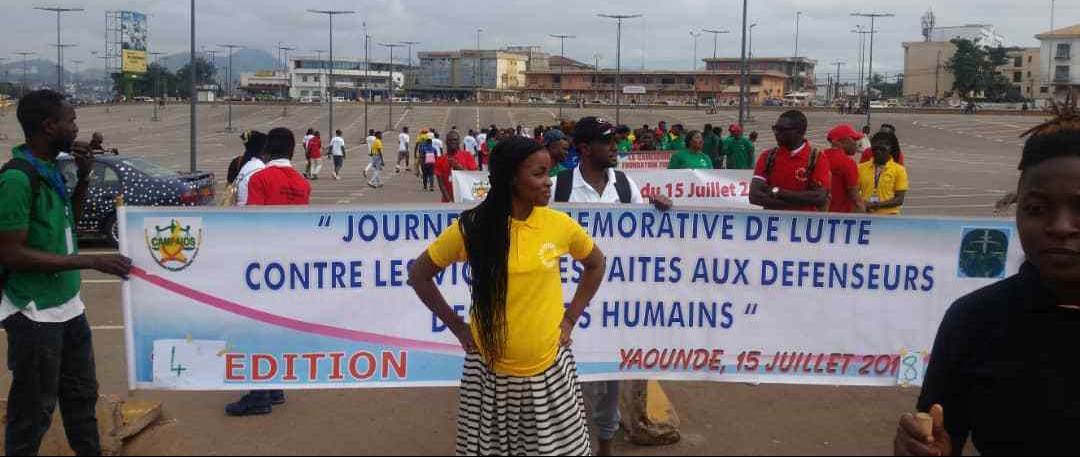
539,415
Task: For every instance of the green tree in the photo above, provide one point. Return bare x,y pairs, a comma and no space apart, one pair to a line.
888,89
968,66
205,74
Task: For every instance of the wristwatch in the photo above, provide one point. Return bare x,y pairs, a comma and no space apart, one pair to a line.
775,191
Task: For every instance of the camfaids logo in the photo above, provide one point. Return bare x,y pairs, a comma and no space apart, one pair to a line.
174,243
480,190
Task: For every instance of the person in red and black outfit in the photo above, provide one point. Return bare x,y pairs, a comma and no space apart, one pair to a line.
794,176
845,196
276,185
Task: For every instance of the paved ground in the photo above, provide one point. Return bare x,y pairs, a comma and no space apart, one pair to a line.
959,165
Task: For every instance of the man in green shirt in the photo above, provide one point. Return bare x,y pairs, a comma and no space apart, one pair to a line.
713,146
50,347
740,150
557,145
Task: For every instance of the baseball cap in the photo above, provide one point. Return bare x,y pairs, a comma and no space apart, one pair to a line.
844,131
553,135
622,129
735,129
591,129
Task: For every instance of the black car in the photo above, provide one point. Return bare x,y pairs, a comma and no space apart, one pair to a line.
141,183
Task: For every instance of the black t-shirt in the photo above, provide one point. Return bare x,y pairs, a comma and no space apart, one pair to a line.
1006,369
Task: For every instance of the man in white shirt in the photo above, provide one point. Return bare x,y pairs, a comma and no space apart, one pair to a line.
595,180
307,138
403,149
471,144
257,158
440,148
370,141
337,151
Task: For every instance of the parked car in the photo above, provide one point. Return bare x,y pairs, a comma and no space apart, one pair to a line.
772,102
141,183
144,99
878,104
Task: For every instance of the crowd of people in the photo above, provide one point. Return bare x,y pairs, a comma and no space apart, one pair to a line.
1000,374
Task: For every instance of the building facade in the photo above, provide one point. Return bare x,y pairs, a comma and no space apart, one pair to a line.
1023,70
309,78
1060,57
800,71
980,34
465,73
663,87
926,79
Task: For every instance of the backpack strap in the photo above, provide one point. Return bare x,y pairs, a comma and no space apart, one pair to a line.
564,186
622,185
770,162
812,167
28,169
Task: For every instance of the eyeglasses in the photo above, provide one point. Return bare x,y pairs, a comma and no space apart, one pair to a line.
780,128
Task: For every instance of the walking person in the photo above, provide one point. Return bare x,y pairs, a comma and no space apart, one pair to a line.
378,162
314,149
429,155
256,161
50,349
307,155
370,141
403,149
519,393
337,151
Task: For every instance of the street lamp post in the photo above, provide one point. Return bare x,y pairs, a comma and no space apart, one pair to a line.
283,57
228,81
320,79
60,68
193,95
477,72
562,69
798,76
870,65
390,95
157,83
59,46
860,87
695,35
367,80
618,60
750,56
716,40
836,91
26,66
330,81
745,72
410,44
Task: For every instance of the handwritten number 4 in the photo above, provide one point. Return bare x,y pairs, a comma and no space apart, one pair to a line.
179,369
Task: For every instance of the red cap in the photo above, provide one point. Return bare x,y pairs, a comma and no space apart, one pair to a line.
735,129
844,131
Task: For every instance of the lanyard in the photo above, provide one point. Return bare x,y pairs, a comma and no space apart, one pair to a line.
52,176
877,176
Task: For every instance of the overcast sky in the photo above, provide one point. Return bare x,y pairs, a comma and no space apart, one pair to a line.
661,39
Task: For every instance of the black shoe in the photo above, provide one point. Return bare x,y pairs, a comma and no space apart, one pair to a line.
277,397
252,404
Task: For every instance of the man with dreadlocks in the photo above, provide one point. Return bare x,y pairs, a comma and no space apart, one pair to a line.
519,393
1003,370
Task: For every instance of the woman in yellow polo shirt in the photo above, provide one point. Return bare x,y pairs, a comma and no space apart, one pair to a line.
519,392
883,183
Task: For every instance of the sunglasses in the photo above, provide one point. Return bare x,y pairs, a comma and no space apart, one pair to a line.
780,128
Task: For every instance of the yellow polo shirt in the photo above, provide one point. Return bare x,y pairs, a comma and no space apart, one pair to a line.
893,179
534,296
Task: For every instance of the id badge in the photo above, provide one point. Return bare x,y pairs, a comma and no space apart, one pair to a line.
874,199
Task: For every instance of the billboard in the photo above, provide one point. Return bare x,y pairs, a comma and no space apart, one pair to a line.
133,34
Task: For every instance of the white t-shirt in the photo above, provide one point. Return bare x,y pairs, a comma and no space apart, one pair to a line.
370,143
439,146
582,192
403,142
244,178
481,138
337,146
307,138
471,145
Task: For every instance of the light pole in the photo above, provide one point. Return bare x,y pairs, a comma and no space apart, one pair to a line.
410,44
745,72
1050,60
367,80
750,56
860,87
193,95
618,60
283,57
390,95
716,40
228,81
798,79
157,83
695,35
562,68
322,91
836,91
477,72
25,68
870,65
330,81
60,68
59,46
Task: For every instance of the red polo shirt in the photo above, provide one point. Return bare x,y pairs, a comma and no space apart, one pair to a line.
443,170
278,184
868,155
789,172
845,175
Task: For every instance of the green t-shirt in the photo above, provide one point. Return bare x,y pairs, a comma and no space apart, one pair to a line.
686,160
740,153
49,230
558,168
624,146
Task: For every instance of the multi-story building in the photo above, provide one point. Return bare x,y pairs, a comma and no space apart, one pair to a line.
980,34
309,78
467,73
800,71
926,79
1023,70
1060,57
651,87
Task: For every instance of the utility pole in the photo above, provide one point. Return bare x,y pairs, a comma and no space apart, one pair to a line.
618,59
59,43
229,82
330,82
390,95
870,65
937,78
562,69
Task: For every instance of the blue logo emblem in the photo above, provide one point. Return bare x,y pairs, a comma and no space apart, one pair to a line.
984,253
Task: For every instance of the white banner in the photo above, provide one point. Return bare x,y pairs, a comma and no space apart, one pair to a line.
702,188
235,299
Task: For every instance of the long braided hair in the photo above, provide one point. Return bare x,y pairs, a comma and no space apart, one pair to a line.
1059,136
486,229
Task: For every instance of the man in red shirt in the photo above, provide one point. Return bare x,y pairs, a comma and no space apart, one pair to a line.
456,158
279,183
845,173
794,176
